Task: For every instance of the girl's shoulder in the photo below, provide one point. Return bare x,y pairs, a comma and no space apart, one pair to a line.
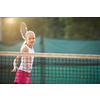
24,49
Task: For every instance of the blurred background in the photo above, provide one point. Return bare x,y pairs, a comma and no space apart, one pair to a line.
69,32
52,27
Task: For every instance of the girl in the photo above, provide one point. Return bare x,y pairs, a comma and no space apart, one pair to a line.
23,73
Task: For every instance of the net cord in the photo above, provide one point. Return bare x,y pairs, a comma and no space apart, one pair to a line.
52,55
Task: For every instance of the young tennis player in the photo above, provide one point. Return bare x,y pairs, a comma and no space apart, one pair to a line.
24,70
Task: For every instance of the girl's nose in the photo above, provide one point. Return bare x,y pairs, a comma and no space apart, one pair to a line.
31,39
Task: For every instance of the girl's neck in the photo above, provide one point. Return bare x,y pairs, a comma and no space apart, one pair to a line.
30,46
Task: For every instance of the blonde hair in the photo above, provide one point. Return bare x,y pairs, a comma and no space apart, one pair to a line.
27,33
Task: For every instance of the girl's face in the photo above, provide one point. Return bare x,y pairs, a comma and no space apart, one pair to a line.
30,39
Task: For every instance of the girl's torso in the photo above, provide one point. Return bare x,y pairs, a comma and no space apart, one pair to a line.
26,62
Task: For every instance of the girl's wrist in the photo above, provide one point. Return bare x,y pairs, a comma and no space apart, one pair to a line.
15,66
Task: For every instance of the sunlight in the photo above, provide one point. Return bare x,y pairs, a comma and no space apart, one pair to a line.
10,20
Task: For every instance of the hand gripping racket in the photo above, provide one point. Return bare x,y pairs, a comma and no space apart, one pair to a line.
23,29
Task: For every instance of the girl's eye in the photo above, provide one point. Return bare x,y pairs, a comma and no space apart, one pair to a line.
30,38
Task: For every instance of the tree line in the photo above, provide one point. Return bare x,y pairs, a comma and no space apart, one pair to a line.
53,27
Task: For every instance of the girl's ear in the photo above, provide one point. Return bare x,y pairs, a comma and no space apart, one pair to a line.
26,39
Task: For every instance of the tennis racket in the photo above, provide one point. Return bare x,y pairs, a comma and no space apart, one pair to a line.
23,29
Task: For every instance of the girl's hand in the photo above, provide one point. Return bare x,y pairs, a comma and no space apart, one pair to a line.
14,70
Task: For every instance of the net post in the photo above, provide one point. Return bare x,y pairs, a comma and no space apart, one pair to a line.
42,80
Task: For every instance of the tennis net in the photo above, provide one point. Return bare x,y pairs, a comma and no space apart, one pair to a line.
54,68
